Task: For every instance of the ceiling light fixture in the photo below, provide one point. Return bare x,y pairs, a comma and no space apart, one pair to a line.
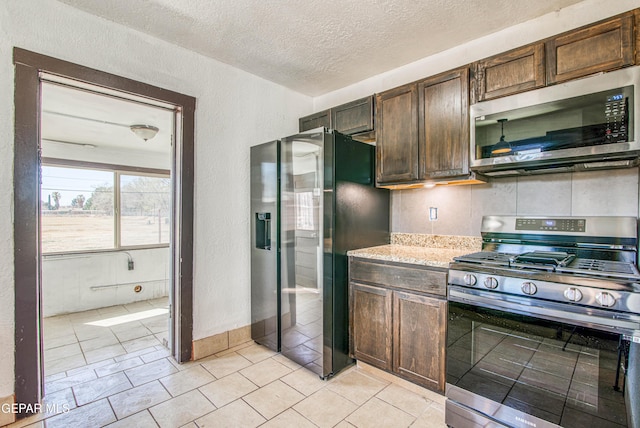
146,132
501,147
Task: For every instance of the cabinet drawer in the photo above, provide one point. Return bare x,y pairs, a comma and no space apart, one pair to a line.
396,275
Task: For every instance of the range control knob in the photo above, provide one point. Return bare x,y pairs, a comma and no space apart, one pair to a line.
573,294
470,279
491,282
605,299
529,288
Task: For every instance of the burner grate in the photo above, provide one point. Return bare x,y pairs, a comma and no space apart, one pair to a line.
547,258
602,267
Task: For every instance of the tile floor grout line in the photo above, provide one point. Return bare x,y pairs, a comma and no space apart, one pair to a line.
115,415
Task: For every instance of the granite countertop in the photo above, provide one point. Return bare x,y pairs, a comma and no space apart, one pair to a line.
426,250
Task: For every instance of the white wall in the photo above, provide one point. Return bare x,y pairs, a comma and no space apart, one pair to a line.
234,111
80,282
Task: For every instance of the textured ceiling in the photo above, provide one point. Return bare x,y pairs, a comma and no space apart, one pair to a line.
76,119
316,46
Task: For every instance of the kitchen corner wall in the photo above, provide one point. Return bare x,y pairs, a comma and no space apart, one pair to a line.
460,208
234,111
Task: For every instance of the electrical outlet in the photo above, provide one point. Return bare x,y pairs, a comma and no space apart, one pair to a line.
433,213
130,265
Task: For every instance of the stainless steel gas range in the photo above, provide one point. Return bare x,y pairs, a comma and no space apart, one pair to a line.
544,325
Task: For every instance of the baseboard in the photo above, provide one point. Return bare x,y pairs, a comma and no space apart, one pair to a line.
417,389
220,342
7,416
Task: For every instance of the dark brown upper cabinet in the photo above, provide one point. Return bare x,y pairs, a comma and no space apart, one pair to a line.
605,46
397,135
508,73
315,120
423,130
354,118
443,124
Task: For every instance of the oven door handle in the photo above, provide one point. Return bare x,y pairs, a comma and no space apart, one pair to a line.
625,324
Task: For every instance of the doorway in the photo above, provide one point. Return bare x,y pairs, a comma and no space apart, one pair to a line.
105,214
31,69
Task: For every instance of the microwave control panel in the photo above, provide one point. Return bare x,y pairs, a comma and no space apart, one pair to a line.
616,112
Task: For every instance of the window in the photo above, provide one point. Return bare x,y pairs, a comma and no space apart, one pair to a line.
79,207
145,207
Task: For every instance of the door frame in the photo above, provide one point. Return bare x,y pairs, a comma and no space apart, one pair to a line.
26,215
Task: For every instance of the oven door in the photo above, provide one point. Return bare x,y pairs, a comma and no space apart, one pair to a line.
510,366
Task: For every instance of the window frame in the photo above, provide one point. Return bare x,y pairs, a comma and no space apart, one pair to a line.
117,171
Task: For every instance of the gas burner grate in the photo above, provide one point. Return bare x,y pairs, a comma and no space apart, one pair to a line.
545,258
602,267
486,257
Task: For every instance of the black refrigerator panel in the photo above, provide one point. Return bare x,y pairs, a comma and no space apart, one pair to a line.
265,244
313,199
329,206
361,219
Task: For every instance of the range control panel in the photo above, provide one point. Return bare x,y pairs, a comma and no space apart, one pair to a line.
551,224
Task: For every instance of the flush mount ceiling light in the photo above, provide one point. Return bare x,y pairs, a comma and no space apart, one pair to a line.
501,147
146,132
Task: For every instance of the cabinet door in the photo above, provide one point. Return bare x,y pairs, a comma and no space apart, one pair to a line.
419,339
315,120
601,47
444,125
397,135
353,117
515,71
370,320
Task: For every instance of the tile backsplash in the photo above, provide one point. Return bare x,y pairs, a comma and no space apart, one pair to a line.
460,208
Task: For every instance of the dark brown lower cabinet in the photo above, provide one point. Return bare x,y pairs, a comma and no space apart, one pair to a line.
419,339
371,324
400,331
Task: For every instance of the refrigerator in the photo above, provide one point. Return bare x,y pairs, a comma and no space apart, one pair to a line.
313,198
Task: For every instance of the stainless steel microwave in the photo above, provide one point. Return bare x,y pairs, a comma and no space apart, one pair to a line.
585,124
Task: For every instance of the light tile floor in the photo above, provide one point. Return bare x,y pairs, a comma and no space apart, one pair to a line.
133,382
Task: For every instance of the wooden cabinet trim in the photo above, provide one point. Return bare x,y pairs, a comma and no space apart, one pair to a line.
624,24
636,14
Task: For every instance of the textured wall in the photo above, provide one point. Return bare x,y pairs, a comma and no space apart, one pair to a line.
234,111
